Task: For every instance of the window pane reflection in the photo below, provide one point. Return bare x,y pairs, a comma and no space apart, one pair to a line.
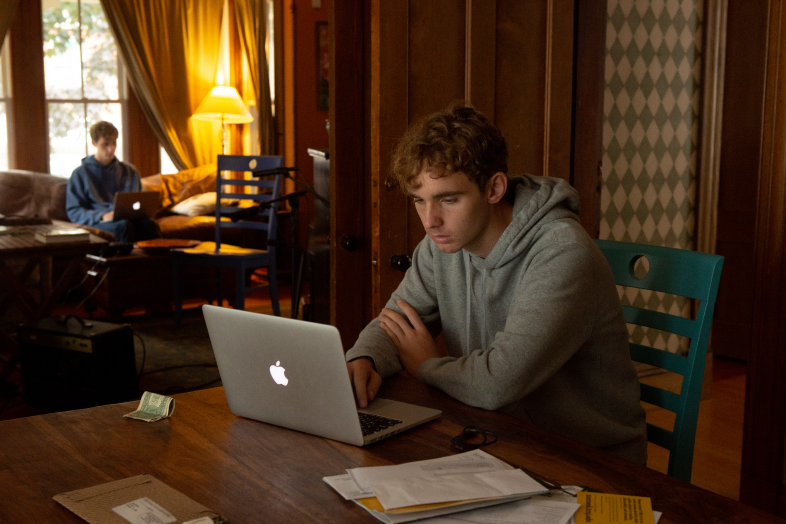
62,63
99,54
67,144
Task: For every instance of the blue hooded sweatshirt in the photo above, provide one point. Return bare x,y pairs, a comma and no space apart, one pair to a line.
92,187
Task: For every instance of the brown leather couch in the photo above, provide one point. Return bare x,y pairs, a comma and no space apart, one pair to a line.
28,197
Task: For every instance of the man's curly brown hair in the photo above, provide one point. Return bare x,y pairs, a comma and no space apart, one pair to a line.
457,140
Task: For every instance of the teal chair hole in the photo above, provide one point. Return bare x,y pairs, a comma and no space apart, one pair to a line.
683,273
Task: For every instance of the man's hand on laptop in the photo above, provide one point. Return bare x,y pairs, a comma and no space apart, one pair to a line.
108,216
365,380
414,342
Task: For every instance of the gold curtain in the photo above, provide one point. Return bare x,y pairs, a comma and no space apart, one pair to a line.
170,49
7,12
251,20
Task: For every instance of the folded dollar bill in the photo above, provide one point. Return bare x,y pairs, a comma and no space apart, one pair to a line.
153,407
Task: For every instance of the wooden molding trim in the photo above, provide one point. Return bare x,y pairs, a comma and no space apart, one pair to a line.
28,91
765,399
558,89
587,129
480,71
347,168
708,169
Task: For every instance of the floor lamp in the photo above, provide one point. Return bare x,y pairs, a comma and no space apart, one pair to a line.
223,104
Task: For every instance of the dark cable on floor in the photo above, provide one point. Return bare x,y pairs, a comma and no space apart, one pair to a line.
144,355
103,277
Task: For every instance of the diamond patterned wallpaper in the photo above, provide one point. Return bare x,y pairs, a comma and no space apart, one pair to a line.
651,108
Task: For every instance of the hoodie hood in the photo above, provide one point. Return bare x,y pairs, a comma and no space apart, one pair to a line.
536,201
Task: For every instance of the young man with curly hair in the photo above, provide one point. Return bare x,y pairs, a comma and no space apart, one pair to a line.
90,195
524,298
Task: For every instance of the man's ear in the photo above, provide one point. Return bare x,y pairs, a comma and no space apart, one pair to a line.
95,144
496,187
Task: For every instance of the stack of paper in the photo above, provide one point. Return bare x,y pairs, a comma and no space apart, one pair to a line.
430,488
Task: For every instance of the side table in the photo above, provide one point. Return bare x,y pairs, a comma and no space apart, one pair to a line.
141,279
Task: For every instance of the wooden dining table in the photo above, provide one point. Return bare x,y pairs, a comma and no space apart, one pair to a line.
249,471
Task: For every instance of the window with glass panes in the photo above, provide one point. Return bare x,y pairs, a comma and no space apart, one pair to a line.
84,80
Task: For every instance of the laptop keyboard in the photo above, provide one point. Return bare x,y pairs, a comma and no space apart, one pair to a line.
371,424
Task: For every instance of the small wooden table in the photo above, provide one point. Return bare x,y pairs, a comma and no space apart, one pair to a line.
19,243
254,472
143,278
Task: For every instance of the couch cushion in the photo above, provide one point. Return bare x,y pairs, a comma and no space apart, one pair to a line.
30,194
181,185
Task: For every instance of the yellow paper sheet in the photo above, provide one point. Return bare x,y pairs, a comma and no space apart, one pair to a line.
602,508
373,504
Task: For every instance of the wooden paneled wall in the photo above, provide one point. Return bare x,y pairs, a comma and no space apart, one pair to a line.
516,61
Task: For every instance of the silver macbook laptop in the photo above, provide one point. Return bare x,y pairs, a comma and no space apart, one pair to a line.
292,373
133,205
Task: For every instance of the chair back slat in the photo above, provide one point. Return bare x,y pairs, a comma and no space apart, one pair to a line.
659,436
662,398
683,273
684,327
265,220
661,359
244,196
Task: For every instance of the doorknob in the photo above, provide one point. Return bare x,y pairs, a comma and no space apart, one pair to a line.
400,262
348,242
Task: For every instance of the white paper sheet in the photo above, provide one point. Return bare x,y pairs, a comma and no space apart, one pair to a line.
346,487
475,461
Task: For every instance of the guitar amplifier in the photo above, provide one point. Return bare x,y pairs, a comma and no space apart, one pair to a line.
68,363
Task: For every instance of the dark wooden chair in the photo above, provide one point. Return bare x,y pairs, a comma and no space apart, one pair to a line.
241,259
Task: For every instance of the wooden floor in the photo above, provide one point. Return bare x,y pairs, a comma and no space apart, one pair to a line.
718,452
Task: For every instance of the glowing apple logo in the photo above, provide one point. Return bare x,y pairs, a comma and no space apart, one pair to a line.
277,372
136,206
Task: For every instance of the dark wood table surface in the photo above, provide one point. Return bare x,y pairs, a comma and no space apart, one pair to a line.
253,472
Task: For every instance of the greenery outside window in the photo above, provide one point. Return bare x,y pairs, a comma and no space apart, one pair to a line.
84,80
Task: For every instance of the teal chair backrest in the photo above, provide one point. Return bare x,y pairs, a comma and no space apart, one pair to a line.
677,272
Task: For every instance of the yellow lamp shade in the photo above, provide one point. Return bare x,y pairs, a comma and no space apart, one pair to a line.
223,103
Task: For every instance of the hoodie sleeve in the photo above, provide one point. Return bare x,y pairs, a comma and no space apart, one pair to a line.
81,206
549,320
417,289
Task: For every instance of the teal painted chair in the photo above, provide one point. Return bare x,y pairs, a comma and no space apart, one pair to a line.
677,272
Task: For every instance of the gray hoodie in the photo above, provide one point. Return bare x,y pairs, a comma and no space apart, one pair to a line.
536,329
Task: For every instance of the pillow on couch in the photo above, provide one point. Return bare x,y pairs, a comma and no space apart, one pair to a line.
182,185
204,204
197,205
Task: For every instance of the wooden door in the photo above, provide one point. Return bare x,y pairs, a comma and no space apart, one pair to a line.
746,37
397,61
512,60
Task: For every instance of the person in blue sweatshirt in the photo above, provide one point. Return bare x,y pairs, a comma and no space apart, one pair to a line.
525,300
91,189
